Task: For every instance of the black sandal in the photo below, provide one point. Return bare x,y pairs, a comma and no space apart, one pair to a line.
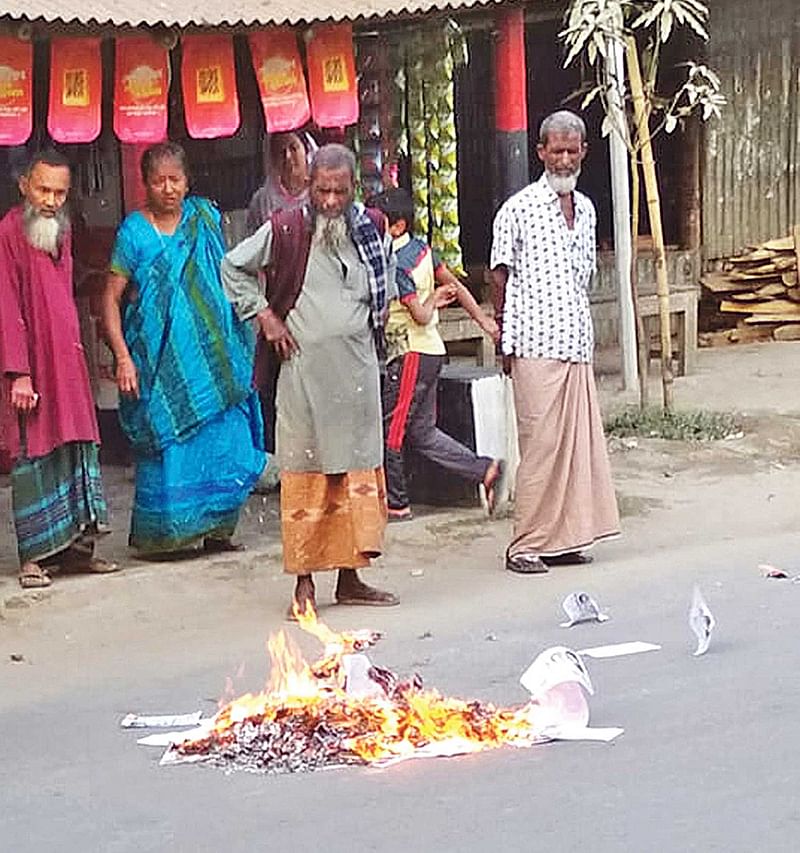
219,545
526,564
571,558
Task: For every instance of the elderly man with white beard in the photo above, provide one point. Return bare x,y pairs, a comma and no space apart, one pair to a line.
542,262
328,277
47,413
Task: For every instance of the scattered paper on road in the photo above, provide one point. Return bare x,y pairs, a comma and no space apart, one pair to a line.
357,681
701,621
160,721
170,738
556,681
769,571
555,666
581,607
605,735
619,649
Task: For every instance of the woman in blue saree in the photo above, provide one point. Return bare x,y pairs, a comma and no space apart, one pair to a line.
184,367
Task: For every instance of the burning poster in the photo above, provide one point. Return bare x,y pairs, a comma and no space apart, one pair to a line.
208,78
332,75
141,86
281,81
76,87
16,100
343,710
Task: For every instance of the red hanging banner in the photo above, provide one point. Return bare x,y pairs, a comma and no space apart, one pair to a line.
208,78
141,86
76,87
279,71
16,100
332,75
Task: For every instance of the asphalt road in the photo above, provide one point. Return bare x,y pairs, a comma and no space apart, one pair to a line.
708,760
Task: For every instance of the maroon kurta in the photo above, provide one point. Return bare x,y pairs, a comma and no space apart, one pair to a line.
40,336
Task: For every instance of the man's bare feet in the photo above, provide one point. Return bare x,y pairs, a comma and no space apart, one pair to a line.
350,589
304,597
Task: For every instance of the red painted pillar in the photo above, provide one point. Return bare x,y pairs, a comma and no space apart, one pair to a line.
133,192
511,105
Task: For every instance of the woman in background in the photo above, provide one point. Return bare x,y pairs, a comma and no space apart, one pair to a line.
286,182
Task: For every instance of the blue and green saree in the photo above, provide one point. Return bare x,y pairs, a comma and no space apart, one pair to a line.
196,426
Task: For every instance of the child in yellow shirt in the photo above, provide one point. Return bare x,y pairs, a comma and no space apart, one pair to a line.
415,355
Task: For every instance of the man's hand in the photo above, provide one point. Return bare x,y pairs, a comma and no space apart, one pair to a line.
23,398
489,325
276,333
127,378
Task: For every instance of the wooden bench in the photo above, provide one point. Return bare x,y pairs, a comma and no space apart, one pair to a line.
455,325
683,311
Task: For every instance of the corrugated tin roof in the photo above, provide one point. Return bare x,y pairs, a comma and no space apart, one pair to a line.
221,12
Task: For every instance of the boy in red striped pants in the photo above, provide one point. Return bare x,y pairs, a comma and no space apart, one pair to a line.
415,354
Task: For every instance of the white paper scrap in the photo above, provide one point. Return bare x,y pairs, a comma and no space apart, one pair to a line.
619,649
160,721
554,666
581,607
605,735
356,677
169,738
701,621
172,756
450,748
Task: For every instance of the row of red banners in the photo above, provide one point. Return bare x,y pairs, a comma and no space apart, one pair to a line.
208,82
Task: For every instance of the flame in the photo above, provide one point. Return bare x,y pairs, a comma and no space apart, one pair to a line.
396,723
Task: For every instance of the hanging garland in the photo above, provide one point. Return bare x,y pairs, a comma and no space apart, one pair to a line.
418,141
431,59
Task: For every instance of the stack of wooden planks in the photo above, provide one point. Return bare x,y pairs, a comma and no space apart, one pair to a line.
761,288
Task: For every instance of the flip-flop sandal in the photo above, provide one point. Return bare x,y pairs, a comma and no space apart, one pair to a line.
523,564
386,599
97,566
395,516
34,576
572,558
222,546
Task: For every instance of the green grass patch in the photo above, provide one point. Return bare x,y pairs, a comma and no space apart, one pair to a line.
654,422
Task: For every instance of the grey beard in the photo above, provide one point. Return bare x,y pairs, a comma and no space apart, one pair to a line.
331,234
45,232
563,184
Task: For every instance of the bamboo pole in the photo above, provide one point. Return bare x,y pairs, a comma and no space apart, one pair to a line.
640,113
642,342
621,200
